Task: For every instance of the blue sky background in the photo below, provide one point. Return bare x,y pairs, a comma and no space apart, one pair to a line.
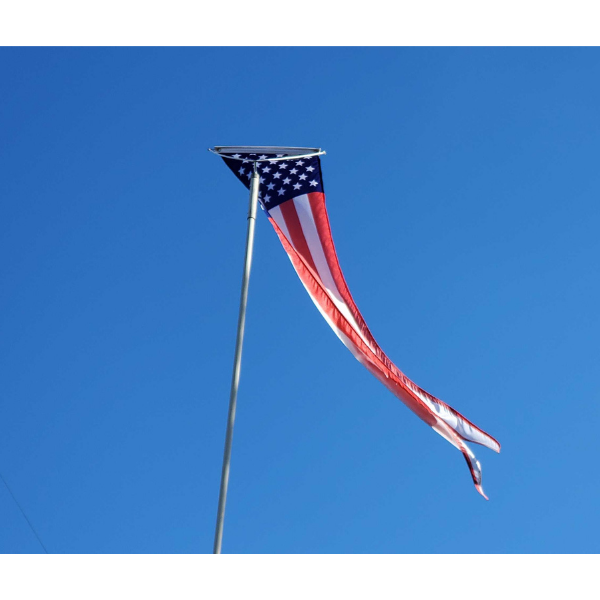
463,189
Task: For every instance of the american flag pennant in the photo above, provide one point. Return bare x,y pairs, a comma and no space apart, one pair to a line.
291,194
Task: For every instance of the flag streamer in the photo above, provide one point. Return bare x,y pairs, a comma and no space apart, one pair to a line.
293,198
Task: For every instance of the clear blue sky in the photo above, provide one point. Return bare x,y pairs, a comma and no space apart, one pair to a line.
463,189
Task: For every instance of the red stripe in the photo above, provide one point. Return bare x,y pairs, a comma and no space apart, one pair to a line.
319,295
319,211
321,218
375,359
373,363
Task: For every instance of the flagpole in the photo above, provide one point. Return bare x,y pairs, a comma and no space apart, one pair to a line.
237,361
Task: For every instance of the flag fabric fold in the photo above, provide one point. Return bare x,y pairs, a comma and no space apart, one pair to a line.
291,193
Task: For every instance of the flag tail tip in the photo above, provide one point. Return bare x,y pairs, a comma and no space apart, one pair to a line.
480,490
490,443
495,446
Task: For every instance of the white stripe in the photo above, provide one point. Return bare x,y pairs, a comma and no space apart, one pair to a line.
360,356
311,235
309,229
448,423
278,218
464,429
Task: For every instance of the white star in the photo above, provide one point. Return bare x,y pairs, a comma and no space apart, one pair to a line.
279,155
277,175
271,186
236,156
245,161
266,169
267,198
313,183
281,192
300,163
286,180
283,165
293,171
241,171
311,169
248,174
297,186
303,177
262,156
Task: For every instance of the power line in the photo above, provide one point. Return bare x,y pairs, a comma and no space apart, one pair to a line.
23,513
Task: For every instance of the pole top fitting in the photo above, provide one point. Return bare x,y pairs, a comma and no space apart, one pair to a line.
281,152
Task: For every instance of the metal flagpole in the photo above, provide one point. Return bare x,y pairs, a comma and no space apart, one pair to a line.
242,153
237,361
